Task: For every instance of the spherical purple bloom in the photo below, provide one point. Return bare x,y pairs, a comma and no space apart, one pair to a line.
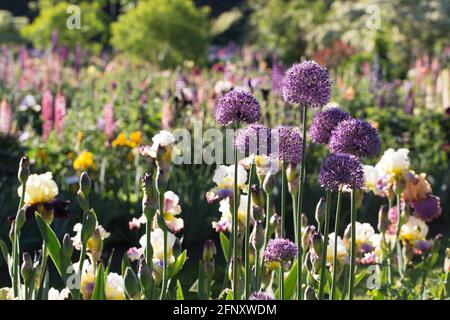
307,83
260,296
341,170
323,124
237,105
356,137
427,209
254,139
289,142
280,250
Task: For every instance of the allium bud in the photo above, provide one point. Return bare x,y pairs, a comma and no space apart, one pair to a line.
383,219
24,170
320,211
131,283
258,236
89,226
83,201
67,246
292,177
27,267
85,183
162,178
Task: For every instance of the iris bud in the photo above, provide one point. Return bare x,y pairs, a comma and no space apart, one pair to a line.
24,170
67,246
27,267
85,183
89,226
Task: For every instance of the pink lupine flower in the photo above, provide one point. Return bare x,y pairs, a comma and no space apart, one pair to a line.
47,114
60,112
109,122
6,117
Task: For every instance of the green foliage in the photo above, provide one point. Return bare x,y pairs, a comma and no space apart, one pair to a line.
10,27
164,32
54,17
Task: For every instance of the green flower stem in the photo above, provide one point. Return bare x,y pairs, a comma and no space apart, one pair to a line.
257,270
297,237
149,255
299,205
281,284
82,255
43,265
16,248
268,215
397,239
336,231
283,200
353,246
389,256
247,234
325,246
235,222
165,258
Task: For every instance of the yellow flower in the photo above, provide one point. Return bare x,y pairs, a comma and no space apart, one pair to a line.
84,161
120,141
39,188
135,139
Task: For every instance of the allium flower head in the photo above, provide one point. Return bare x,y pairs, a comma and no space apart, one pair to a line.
356,137
237,105
289,141
307,83
324,122
253,140
280,250
341,170
260,296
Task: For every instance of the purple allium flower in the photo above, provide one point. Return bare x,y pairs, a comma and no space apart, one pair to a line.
47,114
289,141
254,139
427,209
110,124
341,169
237,105
324,122
280,250
307,83
356,137
260,296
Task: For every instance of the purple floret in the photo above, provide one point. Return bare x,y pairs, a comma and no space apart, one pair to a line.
341,170
237,105
254,139
289,141
356,137
307,83
280,250
323,124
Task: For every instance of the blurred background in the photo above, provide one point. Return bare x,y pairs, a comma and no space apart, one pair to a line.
78,77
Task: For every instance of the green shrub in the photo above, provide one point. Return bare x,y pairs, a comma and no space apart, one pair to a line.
54,17
163,32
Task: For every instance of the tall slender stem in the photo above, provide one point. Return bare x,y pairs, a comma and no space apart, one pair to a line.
299,206
353,245
247,234
325,246
335,254
16,248
397,239
165,259
149,254
235,227
283,201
